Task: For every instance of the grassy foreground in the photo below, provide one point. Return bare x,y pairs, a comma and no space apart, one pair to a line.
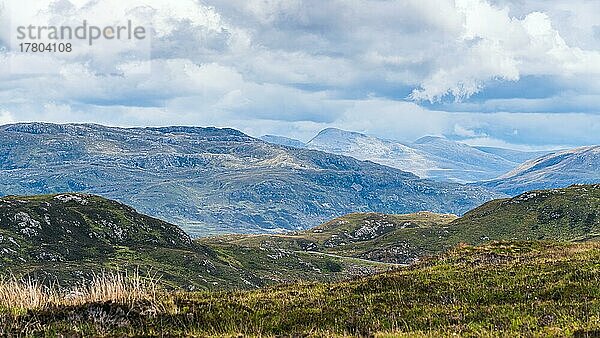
500,289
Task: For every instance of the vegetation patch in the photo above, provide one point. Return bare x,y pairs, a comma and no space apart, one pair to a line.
499,289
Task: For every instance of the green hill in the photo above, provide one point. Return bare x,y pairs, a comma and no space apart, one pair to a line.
572,213
69,237
567,214
373,237
540,279
75,226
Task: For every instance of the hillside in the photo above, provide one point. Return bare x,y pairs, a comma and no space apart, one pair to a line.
567,214
556,170
373,237
429,157
283,141
69,237
70,227
562,214
519,289
212,181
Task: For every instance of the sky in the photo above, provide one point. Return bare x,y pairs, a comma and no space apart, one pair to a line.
511,73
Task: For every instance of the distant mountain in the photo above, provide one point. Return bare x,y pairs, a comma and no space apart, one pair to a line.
560,169
515,156
211,180
68,237
283,141
461,160
363,147
429,157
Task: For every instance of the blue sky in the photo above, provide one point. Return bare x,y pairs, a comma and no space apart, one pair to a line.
521,74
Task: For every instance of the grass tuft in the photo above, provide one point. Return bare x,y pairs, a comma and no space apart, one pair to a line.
19,295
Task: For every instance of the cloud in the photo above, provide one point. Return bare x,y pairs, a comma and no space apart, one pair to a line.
293,67
5,117
494,45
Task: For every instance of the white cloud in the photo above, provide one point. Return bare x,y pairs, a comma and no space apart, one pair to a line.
293,67
495,45
6,117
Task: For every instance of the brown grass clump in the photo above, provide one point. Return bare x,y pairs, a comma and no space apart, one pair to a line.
24,294
121,288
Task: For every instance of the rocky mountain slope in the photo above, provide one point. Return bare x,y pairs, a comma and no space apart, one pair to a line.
363,147
556,170
70,227
68,237
210,180
429,157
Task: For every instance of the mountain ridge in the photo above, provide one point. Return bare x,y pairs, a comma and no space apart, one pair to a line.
211,180
555,170
430,157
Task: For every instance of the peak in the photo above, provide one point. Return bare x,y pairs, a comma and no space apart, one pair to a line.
335,133
431,139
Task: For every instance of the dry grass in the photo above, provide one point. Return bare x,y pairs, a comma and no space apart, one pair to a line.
121,288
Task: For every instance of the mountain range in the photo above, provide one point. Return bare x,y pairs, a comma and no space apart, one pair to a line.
431,157
563,168
210,180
